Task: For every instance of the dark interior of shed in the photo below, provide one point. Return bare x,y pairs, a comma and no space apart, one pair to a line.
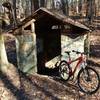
48,42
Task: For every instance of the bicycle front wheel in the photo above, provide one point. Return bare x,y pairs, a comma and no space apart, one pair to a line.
88,80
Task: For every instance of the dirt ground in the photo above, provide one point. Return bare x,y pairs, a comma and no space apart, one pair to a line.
15,85
18,86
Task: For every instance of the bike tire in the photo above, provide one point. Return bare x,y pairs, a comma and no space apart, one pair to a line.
88,69
64,70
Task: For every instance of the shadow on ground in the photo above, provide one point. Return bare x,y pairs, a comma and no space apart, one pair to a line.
39,87
92,63
95,51
42,87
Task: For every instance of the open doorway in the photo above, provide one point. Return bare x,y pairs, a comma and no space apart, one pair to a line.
48,46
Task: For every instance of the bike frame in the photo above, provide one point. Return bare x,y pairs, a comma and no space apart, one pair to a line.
79,59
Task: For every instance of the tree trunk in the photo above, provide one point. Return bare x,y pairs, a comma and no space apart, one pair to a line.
72,7
36,4
20,10
3,55
97,7
77,9
42,3
13,9
32,6
49,4
27,10
65,7
90,10
80,7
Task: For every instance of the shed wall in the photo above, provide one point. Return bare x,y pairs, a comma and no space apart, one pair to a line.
69,44
26,53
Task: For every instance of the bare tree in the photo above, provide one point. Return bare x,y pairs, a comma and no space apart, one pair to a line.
90,11
80,7
14,8
42,3
28,8
97,3
49,4
3,55
32,6
36,4
20,10
65,7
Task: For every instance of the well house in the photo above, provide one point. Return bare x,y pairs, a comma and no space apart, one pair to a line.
45,35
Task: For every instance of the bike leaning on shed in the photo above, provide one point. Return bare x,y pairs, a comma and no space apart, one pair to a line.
88,79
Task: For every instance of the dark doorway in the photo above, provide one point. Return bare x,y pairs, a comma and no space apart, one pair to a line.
52,44
48,47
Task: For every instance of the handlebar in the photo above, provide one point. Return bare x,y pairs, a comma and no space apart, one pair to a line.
77,52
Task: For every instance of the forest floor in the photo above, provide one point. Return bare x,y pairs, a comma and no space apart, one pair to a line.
15,85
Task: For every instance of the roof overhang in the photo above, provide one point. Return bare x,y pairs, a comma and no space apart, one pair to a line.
43,13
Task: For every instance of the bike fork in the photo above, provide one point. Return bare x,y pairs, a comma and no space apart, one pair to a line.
86,75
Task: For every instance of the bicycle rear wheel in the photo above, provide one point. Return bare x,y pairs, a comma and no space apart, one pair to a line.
88,80
64,70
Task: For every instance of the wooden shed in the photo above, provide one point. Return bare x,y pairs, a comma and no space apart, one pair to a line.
55,33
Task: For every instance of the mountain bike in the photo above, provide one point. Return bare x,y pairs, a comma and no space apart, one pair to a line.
87,78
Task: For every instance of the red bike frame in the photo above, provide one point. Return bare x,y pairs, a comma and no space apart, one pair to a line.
79,59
